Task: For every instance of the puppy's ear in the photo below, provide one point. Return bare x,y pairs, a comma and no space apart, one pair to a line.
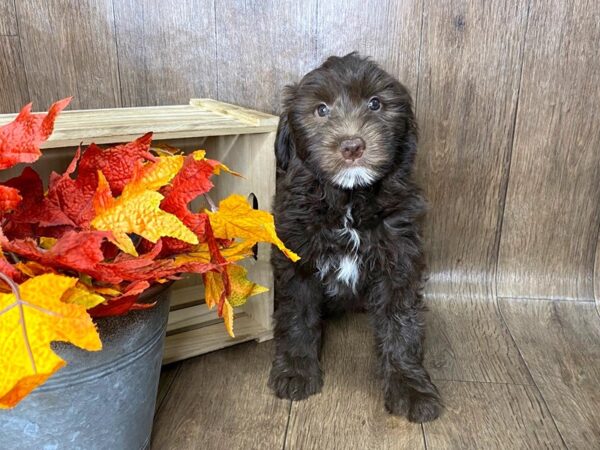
284,143
408,146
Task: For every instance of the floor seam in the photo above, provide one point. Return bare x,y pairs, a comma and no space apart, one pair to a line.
287,425
547,299
529,372
501,383
168,390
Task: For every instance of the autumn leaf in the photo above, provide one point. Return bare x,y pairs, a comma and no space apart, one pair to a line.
241,289
116,163
136,211
20,140
9,198
228,317
79,251
83,296
29,322
236,219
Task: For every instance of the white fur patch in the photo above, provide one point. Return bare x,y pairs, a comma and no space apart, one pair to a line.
350,232
347,271
351,177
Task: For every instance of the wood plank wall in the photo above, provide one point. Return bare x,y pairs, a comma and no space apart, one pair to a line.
506,91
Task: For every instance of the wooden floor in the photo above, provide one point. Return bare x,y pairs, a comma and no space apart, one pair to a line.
513,373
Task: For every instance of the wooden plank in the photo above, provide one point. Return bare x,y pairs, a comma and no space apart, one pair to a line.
69,50
487,416
13,95
560,342
221,401
263,45
349,413
166,50
211,337
167,122
468,84
8,18
552,216
467,341
389,31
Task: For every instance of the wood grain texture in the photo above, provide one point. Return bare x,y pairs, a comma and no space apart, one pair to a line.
8,18
167,122
468,341
349,413
13,94
468,83
221,401
560,342
69,50
492,416
166,50
262,46
552,206
597,276
389,31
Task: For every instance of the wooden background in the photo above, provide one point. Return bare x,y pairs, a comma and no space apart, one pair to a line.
506,91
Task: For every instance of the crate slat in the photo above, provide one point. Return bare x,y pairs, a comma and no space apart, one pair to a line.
202,117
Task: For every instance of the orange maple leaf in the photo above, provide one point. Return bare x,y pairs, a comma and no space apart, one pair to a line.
31,317
137,210
236,219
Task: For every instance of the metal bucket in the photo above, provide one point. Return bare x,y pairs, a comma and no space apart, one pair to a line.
100,400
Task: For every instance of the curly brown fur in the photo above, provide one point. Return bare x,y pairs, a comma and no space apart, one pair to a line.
357,233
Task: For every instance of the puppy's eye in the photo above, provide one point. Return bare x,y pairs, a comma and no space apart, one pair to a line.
322,110
374,104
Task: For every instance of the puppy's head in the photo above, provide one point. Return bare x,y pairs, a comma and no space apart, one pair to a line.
349,121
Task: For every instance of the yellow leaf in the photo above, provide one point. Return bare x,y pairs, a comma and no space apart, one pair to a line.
236,219
27,327
107,291
47,242
241,289
235,252
155,175
228,317
32,268
81,295
199,155
137,210
213,288
241,286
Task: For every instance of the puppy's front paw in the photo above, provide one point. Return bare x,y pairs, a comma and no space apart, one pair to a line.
397,399
295,384
424,408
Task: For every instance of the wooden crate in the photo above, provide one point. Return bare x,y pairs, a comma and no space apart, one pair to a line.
240,138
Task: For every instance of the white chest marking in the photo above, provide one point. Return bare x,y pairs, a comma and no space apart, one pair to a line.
346,266
347,272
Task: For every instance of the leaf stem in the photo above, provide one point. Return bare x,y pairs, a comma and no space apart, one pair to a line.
211,203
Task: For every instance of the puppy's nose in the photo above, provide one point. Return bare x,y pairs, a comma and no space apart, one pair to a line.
352,149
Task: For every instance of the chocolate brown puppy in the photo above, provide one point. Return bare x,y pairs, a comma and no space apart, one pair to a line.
347,204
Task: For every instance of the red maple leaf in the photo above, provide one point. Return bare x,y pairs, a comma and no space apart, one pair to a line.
116,163
9,198
80,251
20,140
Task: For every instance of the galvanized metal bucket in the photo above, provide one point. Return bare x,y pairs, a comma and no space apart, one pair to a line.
100,400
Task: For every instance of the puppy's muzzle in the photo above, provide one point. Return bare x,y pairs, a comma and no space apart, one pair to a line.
352,149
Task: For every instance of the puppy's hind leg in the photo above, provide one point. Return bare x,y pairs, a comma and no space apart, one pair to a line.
396,314
296,372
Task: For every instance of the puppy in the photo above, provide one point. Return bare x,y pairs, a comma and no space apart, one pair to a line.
346,203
